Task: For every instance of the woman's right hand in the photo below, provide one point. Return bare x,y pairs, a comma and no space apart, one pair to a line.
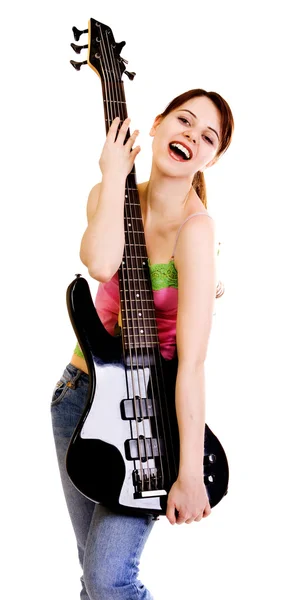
116,157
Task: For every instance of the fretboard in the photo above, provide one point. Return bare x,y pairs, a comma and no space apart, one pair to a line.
136,295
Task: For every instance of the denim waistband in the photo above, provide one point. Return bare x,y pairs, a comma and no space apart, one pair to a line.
75,373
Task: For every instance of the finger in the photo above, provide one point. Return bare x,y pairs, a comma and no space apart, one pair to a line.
113,128
123,130
132,138
207,511
125,123
134,152
199,518
181,519
170,514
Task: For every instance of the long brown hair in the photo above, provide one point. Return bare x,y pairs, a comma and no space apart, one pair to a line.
227,128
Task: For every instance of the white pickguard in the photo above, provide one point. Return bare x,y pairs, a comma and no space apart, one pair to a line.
104,421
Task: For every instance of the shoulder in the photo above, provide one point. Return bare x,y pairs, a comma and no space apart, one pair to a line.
197,277
197,236
196,267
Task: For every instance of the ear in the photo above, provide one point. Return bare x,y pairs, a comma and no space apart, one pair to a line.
157,121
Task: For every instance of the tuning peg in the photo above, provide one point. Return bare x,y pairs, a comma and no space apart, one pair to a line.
124,60
78,49
77,33
77,65
130,75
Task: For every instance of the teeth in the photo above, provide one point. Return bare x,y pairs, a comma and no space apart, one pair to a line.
182,148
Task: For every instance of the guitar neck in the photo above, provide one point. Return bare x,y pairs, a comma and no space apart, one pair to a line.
134,267
115,105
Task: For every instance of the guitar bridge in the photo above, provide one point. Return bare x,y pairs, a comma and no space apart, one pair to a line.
147,483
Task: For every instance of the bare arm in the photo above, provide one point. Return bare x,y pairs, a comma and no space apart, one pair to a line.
103,242
195,254
190,409
196,264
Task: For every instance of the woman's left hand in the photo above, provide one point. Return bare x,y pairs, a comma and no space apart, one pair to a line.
188,495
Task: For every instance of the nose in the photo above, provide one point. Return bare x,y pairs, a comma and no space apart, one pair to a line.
191,136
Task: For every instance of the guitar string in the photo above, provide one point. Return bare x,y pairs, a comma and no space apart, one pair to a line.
154,362
123,114
133,232
112,116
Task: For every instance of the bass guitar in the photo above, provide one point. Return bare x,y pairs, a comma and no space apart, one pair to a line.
124,452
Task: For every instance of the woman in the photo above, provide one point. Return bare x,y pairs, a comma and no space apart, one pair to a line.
188,137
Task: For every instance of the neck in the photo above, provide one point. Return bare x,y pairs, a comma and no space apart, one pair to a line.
166,197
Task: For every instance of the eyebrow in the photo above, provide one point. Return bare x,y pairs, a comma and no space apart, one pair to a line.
189,111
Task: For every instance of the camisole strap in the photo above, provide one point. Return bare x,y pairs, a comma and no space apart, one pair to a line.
179,230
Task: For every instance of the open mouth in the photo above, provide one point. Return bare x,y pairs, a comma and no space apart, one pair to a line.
179,151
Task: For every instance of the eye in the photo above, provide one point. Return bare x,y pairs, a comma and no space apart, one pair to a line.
184,120
207,138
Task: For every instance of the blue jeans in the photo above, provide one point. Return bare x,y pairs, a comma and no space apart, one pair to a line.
109,544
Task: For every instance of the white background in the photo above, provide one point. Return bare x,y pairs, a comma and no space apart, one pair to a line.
52,133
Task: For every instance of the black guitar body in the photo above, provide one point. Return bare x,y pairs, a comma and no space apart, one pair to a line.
125,453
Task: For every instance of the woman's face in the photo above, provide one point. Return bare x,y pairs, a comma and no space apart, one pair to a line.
192,125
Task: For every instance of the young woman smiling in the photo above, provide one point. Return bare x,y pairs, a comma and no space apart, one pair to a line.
188,137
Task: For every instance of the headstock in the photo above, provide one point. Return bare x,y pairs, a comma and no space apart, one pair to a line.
103,52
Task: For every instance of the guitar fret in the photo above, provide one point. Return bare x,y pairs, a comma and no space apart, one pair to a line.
134,338
140,300
137,327
140,261
136,344
143,289
137,268
127,309
153,337
144,269
141,319
136,291
137,244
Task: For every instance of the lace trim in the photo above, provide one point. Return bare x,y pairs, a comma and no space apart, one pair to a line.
163,275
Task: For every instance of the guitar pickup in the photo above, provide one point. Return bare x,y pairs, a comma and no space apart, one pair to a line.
147,448
143,408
